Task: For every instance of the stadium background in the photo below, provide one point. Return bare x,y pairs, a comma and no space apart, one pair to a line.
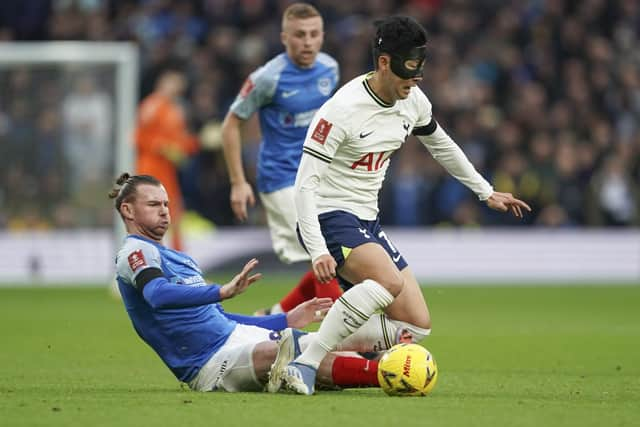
544,97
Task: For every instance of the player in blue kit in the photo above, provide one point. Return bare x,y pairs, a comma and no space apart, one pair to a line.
177,313
285,92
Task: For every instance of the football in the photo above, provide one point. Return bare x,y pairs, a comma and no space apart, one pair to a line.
407,370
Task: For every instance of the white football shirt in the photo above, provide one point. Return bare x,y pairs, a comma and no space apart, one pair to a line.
347,150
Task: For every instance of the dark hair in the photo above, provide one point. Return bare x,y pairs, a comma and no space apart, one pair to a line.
396,35
128,186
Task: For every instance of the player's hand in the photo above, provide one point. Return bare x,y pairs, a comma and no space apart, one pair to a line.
324,267
309,311
504,202
241,281
241,194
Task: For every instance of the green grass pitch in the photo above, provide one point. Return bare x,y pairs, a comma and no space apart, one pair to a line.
527,356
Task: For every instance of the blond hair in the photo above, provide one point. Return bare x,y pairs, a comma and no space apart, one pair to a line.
299,11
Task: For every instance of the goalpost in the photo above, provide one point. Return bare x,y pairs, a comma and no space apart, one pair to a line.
67,114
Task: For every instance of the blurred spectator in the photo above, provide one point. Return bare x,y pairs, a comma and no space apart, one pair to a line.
163,141
615,193
545,95
87,117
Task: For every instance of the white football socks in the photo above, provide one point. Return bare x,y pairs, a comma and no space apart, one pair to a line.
381,333
349,312
378,334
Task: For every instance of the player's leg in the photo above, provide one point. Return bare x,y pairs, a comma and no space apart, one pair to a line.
365,257
381,333
247,365
378,282
410,306
303,291
245,361
281,219
264,354
241,364
290,344
347,372
309,287
335,370
352,310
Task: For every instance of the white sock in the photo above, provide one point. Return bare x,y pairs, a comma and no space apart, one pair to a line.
379,333
348,313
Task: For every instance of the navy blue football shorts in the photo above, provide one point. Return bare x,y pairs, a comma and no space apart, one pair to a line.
344,231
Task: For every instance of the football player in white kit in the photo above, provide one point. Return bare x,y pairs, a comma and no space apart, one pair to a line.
346,155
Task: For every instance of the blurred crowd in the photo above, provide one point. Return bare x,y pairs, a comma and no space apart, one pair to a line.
543,96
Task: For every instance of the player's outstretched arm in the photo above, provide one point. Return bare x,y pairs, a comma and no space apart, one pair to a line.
451,157
312,310
504,202
241,281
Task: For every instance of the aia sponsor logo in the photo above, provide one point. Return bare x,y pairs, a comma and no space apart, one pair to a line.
136,260
371,161
321,131
247,87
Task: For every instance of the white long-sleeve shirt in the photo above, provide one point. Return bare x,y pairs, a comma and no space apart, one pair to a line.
347,150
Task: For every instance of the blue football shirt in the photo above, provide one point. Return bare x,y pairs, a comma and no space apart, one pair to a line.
286,97
176,314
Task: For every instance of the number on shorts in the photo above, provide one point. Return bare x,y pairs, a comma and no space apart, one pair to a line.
383,235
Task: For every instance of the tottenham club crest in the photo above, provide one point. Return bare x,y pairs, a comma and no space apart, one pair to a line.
324,86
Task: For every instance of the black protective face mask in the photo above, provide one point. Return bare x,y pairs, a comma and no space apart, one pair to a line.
399,62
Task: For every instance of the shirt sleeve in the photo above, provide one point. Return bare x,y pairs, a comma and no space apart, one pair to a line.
138,258
324,136
257,90
161,294
135,257
444,149
425,123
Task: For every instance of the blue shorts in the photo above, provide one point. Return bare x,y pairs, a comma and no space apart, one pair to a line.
343,231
